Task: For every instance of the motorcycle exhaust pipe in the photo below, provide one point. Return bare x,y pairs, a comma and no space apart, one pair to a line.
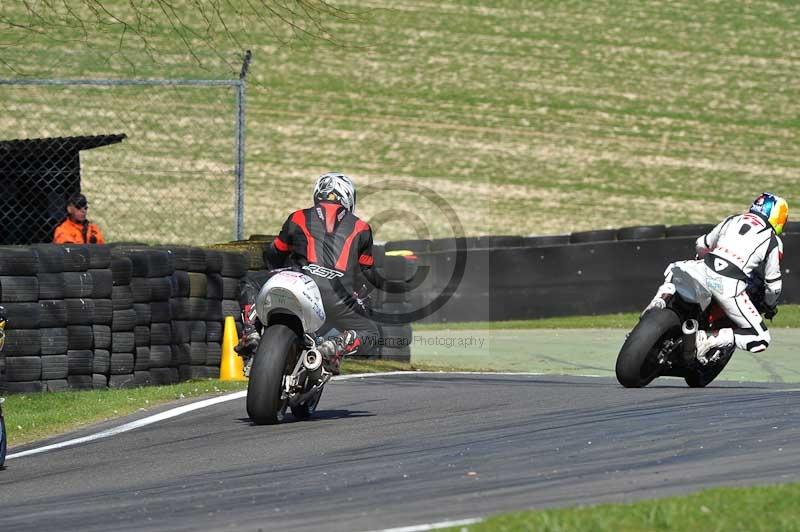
689,330
312,361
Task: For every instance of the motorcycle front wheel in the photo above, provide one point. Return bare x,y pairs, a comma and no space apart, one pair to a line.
3,441
637,363
274,359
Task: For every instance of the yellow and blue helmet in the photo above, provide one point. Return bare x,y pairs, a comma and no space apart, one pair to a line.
772,208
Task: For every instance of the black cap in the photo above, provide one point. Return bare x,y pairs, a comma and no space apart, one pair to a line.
78,200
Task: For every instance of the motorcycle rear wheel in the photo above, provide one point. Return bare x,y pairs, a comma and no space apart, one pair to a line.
636,363
3,441
274,359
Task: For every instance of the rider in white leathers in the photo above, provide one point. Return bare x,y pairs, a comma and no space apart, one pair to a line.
737,250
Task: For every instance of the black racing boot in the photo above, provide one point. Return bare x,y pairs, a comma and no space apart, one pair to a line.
250,335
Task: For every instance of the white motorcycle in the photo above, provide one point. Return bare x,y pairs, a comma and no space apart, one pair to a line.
287,370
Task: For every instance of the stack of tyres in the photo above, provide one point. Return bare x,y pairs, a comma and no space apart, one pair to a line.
395,341
20,361
158,354
187,309
78,286
102,280
234,268
198,315
52,316
213,320
141,291
125,266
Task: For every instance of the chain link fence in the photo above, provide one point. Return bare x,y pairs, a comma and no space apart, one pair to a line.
161,161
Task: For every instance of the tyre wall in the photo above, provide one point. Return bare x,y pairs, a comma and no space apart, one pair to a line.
85,317
591,272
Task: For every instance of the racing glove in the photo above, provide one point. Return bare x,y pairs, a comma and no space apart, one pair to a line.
770,312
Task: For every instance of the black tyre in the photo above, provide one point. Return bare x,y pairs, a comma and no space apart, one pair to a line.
121,271
198,284
214,286
52,313
275,357
53,341
545,240
694,230
18,261
636,362
597,235
102,284
230,288
78,284
51,285
19,289
24,368
641,232
80,311
160,312
76,258
140,289
701,376
160,288
234,264
214,261
160,333
3,443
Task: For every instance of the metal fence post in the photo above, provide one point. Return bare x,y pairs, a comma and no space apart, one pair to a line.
238,230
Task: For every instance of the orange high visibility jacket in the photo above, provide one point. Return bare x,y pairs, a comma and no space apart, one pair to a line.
70,232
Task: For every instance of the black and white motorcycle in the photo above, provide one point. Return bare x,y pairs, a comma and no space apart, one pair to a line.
287,371
663,341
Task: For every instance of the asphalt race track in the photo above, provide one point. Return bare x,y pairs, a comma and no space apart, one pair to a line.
399,450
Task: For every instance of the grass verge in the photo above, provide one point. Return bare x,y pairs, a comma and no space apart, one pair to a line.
31,417
788,317
766,508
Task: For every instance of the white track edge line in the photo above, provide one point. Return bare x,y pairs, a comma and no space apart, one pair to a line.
133,424
432,526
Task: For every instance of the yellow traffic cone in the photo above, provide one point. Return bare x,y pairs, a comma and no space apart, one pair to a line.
231,367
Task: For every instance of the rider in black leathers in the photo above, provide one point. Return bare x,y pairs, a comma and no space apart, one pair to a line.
334,247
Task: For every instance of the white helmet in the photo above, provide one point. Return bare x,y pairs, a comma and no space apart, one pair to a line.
337,187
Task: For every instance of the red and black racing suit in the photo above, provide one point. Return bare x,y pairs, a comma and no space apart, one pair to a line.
334,247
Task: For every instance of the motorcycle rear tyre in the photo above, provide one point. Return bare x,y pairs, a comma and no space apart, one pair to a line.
3,440
635,363
264,404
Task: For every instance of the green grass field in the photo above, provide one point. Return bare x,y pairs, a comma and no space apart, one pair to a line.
760,509
526,118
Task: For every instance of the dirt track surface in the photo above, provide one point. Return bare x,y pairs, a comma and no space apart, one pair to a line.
399,450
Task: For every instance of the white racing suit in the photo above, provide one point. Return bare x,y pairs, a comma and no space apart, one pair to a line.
739,249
